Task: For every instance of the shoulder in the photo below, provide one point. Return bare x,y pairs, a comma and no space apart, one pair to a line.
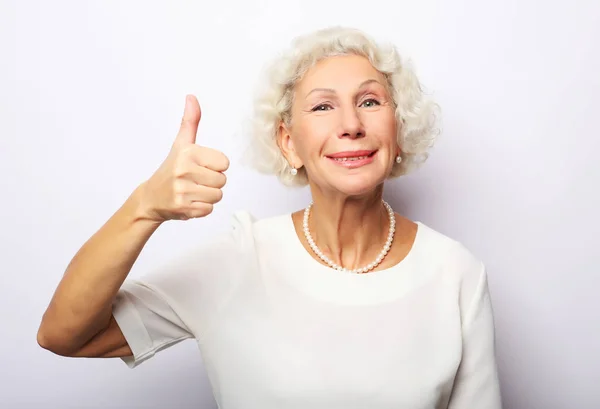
249,230
455,268
448,255
261,229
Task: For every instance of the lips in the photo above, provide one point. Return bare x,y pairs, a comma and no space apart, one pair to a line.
352,159
351,155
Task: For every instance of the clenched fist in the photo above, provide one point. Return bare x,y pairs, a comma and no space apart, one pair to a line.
188,183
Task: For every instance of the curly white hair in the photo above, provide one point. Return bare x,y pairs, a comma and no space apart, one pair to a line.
416,114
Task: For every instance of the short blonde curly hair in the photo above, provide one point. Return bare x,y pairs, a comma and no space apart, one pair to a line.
416,114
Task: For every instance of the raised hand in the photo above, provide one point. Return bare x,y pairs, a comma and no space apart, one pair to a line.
188,183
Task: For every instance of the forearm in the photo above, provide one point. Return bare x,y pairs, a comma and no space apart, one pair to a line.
81,304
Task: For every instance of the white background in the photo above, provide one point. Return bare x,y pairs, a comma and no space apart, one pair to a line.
91,95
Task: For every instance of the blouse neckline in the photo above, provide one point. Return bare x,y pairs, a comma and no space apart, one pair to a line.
327,284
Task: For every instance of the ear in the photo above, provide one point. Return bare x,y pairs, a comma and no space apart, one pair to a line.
398,149
286,145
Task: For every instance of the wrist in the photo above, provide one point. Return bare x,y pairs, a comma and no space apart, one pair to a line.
140,209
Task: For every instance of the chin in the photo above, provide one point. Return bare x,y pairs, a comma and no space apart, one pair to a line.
356,185
349,180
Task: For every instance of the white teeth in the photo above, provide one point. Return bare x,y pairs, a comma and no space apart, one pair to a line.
350,159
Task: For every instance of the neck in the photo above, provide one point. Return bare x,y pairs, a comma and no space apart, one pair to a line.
351,231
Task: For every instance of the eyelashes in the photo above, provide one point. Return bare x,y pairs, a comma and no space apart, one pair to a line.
321,107
373,100
327,106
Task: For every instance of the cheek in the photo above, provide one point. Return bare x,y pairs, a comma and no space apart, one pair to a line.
385,129
309,139
391,128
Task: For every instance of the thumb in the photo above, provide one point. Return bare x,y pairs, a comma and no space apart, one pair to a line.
189,122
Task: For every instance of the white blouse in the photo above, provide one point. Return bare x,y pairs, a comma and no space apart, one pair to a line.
278,330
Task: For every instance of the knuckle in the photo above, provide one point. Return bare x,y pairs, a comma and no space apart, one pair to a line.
203,210
178,187
187,150
179,171
183,156
182,169
178,201
186,122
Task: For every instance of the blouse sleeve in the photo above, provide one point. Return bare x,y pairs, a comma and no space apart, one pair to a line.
180,300
476,384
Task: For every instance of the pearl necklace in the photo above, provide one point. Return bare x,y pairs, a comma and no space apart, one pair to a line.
365,269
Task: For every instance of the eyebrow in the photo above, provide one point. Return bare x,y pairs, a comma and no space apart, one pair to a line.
332,91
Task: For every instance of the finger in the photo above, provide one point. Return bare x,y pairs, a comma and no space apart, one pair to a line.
211,159
206,177
204,194
197,209
189,123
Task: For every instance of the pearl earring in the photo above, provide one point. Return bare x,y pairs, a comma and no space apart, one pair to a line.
294,171
398,159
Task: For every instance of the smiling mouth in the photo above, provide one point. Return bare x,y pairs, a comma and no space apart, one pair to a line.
352,159
352,156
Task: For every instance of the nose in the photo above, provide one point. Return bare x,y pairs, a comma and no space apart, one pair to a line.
351,125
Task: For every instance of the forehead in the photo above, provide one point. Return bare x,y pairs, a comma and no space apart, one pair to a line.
339,73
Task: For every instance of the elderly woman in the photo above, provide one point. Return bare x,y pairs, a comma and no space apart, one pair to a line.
344,304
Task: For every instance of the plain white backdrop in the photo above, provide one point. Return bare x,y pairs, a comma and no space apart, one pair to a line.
91,95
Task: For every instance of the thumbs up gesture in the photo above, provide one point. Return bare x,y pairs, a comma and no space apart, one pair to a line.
188,183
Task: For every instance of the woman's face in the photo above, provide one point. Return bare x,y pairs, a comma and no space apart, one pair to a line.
343,126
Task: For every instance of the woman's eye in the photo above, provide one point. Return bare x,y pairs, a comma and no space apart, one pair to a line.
322,107
370,103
